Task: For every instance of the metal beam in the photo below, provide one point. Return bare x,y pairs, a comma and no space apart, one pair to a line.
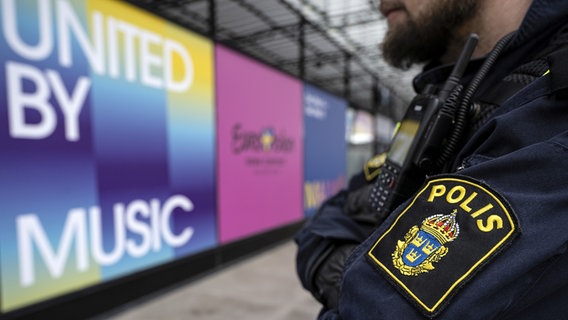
212,19
268,33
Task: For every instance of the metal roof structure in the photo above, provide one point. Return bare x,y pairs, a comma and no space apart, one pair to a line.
333,44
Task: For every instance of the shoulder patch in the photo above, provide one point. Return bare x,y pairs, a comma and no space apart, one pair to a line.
452,227
373,167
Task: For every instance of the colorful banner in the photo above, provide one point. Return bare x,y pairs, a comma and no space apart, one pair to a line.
325,147
107,135
260,145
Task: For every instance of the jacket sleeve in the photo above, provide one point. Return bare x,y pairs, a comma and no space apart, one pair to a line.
522,155
327,239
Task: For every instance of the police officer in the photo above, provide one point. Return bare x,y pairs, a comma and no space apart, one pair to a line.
485,235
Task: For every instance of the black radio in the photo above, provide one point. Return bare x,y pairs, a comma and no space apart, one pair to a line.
418,139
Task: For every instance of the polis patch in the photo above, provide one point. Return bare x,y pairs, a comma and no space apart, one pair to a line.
452,227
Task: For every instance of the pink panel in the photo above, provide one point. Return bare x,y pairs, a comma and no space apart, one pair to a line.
260,148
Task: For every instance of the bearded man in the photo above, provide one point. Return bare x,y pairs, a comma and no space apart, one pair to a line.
483,236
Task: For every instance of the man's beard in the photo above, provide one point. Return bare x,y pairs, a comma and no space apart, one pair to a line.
426,37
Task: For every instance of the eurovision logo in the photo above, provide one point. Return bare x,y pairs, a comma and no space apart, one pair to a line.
264,150
263,141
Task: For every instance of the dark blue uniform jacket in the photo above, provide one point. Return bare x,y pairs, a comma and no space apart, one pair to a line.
511,175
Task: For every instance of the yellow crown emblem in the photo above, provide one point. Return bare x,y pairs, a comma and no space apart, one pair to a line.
413,255
443,227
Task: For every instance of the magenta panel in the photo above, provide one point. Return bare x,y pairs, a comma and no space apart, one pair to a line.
260,147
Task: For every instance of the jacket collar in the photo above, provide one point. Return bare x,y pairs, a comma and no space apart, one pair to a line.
541,22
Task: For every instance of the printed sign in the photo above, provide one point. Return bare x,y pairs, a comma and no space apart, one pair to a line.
107,139
325,147
260,146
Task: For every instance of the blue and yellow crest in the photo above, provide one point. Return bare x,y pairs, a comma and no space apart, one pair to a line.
425,245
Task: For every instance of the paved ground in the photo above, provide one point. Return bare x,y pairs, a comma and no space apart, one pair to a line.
262,287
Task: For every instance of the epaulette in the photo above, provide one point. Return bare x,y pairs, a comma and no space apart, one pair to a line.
373,166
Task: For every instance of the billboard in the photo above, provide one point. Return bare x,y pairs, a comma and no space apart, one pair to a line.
260,149
107,135
325,147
